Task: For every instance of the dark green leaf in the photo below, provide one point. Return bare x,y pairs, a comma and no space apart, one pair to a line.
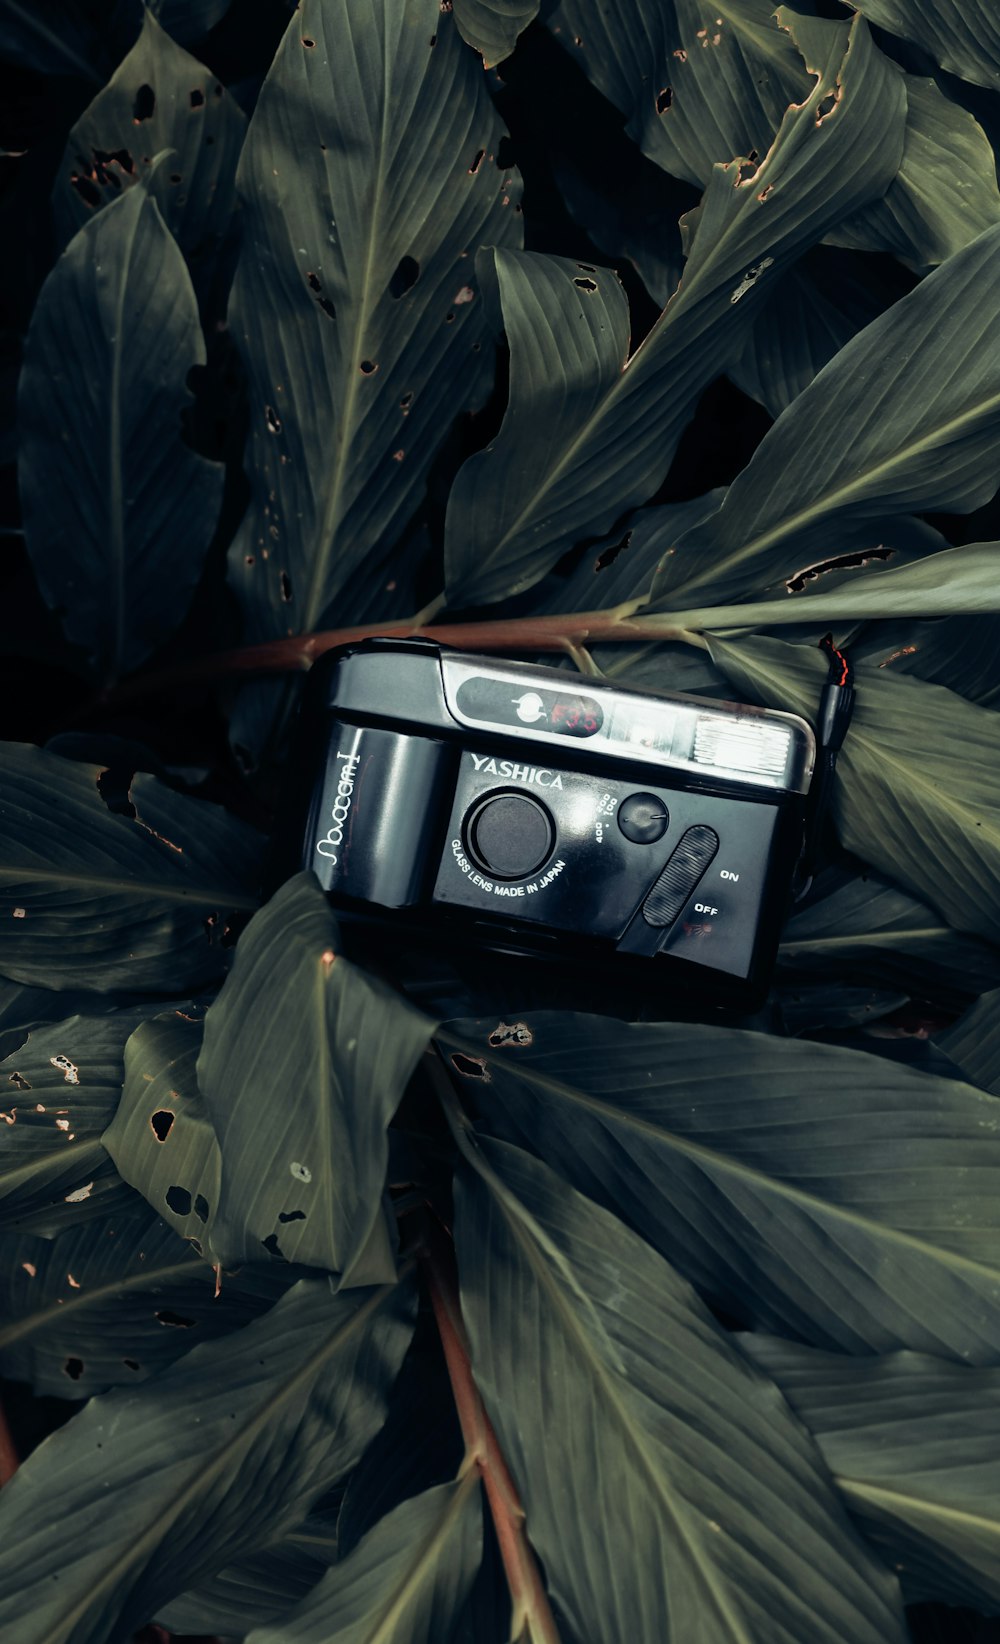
962,653
832,1005
833,1195
684,1501
844,452
189,19
912,1444
65,37
587,435
221,1453
108,1303
93,900
161,1138
945,192
118,511
961,35
304,1063
868,929
698,87
404,1583
639,221
492,26
159,98
918,784
974,1042
259,1589
621,566
368,178
60,1091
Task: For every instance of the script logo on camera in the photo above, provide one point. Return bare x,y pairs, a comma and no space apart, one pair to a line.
334,837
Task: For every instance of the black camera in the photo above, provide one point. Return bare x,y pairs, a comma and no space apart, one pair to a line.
529,810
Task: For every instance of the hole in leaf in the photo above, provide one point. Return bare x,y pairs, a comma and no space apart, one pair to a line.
367,367
197,98
664,100
106,157
286,586
19,1081
179,1200
179,1322
449,317
86,190
291,1215
271,1246
477,162
827,106
609,555
73,1368
161,1123
201,1207
407,400
314,282
145,103
175,176
307,42
434,41
586,285
272,419
327,307
131,1364
405,277
843,562
471,1067
511,1033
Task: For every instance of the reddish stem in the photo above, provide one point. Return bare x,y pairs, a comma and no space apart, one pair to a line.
530,1600
9,1459
299,651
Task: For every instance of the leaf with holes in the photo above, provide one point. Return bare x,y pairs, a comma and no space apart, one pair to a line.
917,791
687,1502
590,432
60,1091
161,1138
109,1302
961,35
89,899
871,931
911,1443
698,87
945,192
406,1580
492,26
159,98
301,1112
284,1410
905,416
369,177
118,510
777,1174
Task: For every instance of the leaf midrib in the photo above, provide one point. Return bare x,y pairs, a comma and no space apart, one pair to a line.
882,1494
608,1117
421,1563
38,1321
16,875
137,1550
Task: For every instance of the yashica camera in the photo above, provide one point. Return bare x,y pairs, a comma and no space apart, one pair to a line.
528,810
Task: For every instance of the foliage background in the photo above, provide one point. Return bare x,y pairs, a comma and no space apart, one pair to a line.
713,1299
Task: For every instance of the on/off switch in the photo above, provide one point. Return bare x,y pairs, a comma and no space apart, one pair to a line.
680,876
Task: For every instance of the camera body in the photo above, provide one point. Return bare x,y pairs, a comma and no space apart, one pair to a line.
524,809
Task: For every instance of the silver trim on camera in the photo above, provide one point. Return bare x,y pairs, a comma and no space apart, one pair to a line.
759,747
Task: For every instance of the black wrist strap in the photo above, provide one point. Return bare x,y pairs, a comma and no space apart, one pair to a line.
836,705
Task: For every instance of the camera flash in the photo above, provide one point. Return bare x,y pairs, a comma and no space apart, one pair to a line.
757,745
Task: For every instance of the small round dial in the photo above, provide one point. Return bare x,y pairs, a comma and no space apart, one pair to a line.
509,834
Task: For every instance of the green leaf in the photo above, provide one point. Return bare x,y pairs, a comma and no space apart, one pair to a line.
108,1303
945,192
957,580
639,221
918,787
159,98
844,452
962,653
686,1503
492,26
822,1192
368,179
303,1065
911,1443
961,35
60,1090
64,38
589,433
404,1583
118,511
974,1042
872,931
698,87
222,1452
89,899
188,19
259,1589
161,1138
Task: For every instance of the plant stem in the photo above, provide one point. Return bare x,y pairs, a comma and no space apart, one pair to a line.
9,1459
569,633
531,1614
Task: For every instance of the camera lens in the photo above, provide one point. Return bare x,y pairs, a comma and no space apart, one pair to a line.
509,834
